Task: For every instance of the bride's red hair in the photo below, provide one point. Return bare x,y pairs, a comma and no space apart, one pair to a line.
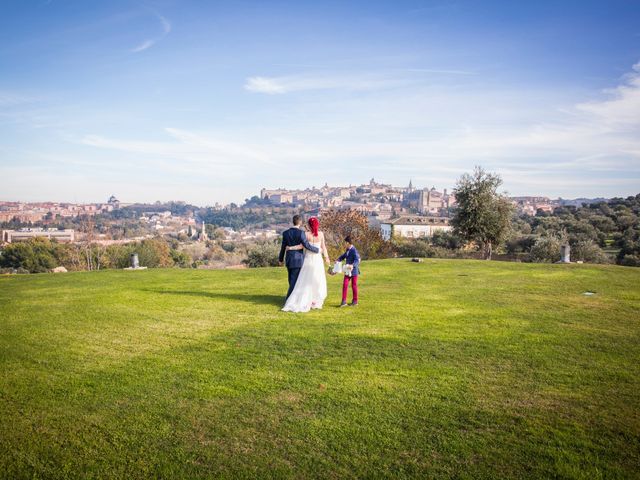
314,225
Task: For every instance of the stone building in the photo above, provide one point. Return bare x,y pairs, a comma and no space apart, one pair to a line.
414,227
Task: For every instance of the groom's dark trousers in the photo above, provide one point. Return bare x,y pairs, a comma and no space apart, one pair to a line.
294,258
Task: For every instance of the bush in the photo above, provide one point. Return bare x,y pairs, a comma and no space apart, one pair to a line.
521,244
447,240
181,259
37,255
588,251
414,248
630,261
11,271
154,253
264,254
545,250
229,247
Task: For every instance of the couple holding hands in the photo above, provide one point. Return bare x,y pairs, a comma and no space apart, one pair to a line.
304,252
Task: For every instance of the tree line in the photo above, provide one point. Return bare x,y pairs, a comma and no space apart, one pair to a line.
484,223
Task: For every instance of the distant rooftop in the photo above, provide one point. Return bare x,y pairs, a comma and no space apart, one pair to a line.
415,220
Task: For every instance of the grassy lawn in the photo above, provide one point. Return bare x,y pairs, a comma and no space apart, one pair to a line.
447,369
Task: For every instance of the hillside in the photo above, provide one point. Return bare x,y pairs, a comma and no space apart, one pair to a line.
447,369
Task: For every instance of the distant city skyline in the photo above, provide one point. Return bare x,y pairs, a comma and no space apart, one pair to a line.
317,187
209,102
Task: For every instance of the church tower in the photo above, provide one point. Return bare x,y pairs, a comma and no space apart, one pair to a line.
203,235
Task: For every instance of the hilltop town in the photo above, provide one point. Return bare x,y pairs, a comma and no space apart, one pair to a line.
409,211
372,199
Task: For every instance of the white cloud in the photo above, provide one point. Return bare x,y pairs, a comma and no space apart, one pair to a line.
296,83
359,81
549,142
264,85
440,71
148,43
143,46
432,134
622,109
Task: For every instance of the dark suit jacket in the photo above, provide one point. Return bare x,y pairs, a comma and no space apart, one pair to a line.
290,238
353,258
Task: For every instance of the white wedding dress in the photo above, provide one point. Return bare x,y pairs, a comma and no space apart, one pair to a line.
311,288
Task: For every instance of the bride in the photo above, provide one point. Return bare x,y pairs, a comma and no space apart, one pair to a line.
311,288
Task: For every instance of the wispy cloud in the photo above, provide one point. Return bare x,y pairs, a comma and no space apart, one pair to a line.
622,107
296,83
143,46
358,81
189,147
440,71
148,43
429,134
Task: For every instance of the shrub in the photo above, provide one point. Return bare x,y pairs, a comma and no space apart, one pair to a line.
229,247
588,251
181,259
545,250
446,240
264,254
36,255
630,261
118,255
414,248
521,244
154,253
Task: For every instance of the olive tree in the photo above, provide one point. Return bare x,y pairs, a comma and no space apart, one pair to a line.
483,215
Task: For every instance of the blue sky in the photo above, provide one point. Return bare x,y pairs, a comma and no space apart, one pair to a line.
209,101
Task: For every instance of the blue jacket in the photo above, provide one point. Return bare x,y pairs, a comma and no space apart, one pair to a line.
353,258
290,238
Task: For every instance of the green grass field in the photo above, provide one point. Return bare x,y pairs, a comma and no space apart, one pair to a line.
447,369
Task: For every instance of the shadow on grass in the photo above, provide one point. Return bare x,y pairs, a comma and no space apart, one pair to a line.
277,300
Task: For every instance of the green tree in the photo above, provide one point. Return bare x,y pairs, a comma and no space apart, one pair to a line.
154,253
181,259
482,215
264,254
588,251
546,249
36,255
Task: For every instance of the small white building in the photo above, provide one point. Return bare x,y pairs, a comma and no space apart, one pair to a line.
414,227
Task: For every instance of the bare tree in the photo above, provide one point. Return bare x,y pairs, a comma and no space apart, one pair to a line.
87,227
337,224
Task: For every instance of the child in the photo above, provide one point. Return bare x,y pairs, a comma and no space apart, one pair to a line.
353,262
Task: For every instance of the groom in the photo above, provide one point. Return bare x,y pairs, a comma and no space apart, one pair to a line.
295,258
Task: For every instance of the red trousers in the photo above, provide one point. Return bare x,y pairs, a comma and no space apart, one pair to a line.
354,288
